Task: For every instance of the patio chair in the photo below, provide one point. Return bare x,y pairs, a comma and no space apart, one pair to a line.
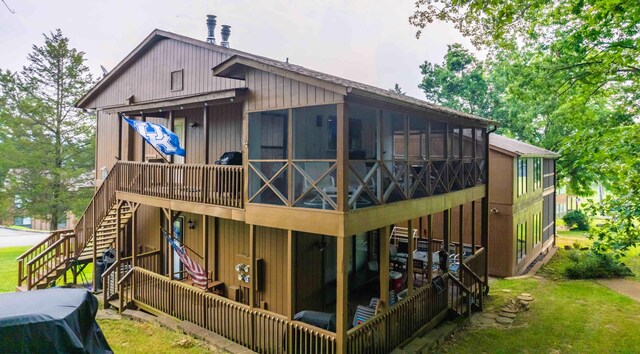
419,268
363,313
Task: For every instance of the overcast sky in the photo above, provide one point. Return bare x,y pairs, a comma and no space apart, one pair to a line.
355,39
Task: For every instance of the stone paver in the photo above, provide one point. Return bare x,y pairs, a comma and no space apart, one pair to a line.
507,315
504,320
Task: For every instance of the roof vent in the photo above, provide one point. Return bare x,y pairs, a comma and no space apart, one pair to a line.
225,32
211,26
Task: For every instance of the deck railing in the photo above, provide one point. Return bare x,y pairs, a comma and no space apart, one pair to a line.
112,275
384,332
258,330
209,184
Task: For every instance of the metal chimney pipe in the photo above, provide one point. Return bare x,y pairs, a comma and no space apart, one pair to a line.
211,26
225,32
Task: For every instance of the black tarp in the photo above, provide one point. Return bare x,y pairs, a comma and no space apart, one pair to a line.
57,320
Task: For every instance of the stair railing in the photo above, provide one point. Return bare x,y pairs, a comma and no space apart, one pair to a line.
97,210
37,249
49,260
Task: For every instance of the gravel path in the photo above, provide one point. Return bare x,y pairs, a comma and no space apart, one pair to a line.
12,238
630,288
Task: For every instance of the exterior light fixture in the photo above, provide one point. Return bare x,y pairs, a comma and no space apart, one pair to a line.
191,224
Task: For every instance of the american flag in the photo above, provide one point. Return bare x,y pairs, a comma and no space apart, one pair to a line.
197,274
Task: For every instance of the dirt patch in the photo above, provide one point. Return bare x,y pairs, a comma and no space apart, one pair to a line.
625,287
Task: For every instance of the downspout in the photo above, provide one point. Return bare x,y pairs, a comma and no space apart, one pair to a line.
485,211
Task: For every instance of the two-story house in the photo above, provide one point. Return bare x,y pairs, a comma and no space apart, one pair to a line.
302,225
522,205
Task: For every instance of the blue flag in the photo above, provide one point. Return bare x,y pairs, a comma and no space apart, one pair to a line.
158,136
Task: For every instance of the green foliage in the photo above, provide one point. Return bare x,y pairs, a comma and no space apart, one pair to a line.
47,144
459,82
591,265
576,220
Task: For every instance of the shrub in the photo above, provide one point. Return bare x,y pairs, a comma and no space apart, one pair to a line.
590,265
576,220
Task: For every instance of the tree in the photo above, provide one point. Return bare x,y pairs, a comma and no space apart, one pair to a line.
397,89
593,44
459,82
47,144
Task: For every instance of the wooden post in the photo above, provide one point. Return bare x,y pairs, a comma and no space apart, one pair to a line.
205,243
383,266
342,294
171,127
342,151
170,249
252,270
214,244
134,241
460,232
473,227
120,119
379,155
429,252
410,247
290,167
94,250
205,126
144,143
446,234
290,276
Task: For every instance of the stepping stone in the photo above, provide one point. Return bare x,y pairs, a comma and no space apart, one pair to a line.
489,315
504,320
507,314
526,294
509,310
486,321
525,298
506,290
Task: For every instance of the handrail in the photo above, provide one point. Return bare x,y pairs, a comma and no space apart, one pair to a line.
471,272
460,285
126,275
41,243
43,253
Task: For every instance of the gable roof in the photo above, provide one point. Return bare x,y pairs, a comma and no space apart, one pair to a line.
518,148
231,68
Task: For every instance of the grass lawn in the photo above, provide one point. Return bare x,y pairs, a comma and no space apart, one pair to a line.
566,317
9,267
126,336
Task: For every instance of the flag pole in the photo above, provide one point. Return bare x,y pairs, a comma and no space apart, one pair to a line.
145,142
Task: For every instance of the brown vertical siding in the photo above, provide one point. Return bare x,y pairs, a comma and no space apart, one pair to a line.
271,246
269,91
106,142
309,273
148,228
148,77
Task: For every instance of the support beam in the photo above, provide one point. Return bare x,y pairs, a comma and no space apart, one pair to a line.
94,250
342,151
461,232
252,270
410,248
134,240
342,293
171,127
169,249
446,230
214,243
383,266
144,143
205,244
119,157
473,227
290,275
430,254
205,126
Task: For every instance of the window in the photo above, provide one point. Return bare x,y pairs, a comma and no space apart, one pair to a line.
537,228
521,241
177,82
537,174
522,176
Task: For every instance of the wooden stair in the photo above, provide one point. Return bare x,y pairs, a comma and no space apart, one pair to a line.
106,233
104,238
